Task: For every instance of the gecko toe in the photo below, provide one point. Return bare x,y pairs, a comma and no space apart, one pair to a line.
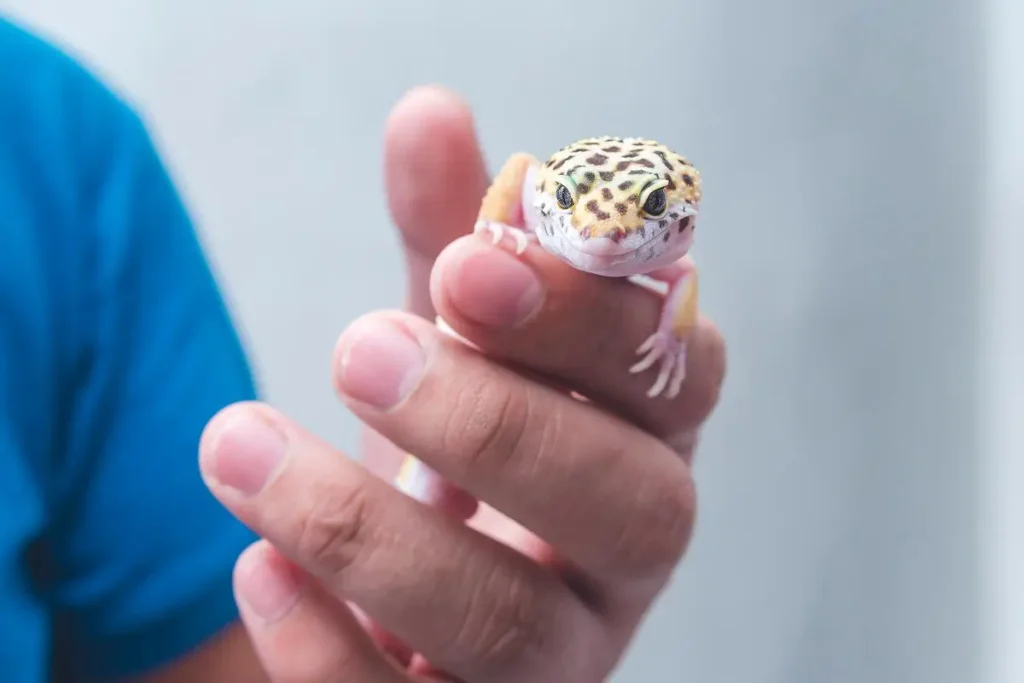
499,230
654,347
678,374
521,241
489,226
670,354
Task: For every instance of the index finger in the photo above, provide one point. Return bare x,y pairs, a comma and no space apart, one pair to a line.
582,332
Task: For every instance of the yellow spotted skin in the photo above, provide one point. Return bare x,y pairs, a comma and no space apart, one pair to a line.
610,174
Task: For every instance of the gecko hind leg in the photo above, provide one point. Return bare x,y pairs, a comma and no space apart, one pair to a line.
498,230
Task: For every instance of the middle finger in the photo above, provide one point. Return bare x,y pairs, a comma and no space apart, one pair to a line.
557,466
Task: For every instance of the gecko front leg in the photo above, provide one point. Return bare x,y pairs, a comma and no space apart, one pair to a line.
668,344
509,203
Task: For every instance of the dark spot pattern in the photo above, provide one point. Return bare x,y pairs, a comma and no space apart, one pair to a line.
611,150
622,165
606,194
590,177
625,185
594,208
688,179
597,159
606,176
664,160
621,208
583,189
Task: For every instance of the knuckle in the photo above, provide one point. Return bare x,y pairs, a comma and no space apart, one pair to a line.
510,630
653,540
489,424
332,534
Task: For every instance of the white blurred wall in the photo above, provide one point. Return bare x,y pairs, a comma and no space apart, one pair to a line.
846,533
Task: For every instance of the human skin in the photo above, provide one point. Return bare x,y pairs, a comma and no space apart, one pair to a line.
606,484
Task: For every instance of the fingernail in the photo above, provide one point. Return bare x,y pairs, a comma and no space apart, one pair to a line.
493,287
381,363
245,453
269,584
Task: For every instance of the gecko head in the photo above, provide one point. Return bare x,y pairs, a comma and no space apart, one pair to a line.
614,223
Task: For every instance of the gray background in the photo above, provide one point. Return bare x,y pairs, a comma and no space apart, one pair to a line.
841,535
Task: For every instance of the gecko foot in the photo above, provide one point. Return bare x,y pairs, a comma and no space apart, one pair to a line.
670,351
498,230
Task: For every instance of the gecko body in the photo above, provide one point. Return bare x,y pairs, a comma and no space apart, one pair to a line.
613,207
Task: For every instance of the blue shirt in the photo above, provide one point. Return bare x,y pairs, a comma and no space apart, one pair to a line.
115,350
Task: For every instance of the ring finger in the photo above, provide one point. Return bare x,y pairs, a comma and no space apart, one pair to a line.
472,605
302,635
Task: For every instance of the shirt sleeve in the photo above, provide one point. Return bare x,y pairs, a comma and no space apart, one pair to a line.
142,552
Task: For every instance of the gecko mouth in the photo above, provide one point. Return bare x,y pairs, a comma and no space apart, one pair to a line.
646,239
607,247
651,245
606,257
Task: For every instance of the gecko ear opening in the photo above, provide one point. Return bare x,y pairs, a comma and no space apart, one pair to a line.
566,193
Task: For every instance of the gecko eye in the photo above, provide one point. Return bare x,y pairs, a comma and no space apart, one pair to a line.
564,197
653,201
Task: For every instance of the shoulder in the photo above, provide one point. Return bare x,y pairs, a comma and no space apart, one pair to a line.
60,123
41,69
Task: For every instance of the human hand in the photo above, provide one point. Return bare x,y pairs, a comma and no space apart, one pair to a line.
486,601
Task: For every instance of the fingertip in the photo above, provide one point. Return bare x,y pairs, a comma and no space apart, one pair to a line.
435,174
221,423
430,100
267,585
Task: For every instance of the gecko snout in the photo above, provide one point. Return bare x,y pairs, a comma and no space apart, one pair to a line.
603,246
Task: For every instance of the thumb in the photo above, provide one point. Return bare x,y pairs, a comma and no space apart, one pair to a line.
435,178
